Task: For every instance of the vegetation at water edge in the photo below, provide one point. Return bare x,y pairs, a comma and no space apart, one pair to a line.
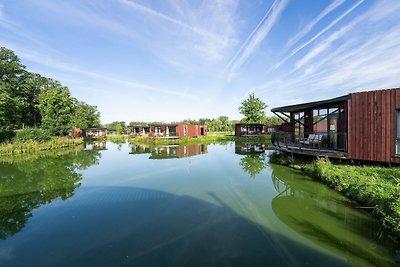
375,188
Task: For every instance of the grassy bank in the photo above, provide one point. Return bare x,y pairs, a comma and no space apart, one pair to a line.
210,138
31,146
374,188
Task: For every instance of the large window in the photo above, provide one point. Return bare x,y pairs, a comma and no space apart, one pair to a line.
398,133
299,124
325,120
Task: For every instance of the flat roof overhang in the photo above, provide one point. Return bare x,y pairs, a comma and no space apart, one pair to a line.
309,105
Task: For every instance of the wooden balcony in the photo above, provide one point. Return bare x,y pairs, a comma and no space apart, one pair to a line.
323,144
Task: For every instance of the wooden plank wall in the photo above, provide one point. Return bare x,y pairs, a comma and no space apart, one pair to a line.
372,125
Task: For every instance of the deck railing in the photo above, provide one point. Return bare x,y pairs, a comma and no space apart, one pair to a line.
318,140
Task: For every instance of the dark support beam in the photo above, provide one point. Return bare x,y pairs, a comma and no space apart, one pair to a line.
284,119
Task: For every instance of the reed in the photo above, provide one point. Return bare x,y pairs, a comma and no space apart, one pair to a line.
30,146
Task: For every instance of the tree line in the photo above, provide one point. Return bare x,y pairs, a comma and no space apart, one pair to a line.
219,124
31,100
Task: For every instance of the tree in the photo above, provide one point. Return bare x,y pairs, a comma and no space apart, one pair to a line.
253,164
118,128
274,120
12,76
253,110
85,116
224,123
57,108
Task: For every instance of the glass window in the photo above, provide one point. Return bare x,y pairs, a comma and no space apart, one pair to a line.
320,120
299,124
398,133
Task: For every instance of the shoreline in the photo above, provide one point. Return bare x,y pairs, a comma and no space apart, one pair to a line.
375,188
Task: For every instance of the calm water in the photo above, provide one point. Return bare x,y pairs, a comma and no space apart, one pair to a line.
199,205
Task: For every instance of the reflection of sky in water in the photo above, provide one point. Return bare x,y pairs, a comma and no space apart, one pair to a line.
203,210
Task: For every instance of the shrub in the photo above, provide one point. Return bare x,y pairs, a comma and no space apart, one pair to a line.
34,134
6,135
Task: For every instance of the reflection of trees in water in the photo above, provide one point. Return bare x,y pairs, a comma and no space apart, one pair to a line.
28,184
322,216
253,164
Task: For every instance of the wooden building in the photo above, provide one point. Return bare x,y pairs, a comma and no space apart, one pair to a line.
94,132
169,130
76,132
139,130
249,129
357,126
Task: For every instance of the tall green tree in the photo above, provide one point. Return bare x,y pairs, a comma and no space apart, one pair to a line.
57,109
119,128
253,110
85,116
12,87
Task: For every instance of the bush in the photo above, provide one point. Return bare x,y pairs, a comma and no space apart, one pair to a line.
6,135
34,134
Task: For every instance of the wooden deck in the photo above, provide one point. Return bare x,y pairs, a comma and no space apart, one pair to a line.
316,152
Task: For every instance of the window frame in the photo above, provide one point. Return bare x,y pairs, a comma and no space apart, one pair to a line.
397,133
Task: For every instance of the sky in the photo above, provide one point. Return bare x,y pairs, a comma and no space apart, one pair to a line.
168,60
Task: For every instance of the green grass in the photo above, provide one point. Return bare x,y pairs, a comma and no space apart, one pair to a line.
374,188
32,146
210,138
117,138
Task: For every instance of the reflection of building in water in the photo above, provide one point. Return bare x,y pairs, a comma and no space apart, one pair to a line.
245,148
169,152
140,149
98,145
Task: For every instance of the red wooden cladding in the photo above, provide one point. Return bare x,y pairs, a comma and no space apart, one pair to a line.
191,130
372,125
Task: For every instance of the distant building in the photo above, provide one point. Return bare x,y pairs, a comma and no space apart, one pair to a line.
139,130
250,129
169,130
76,132
94,132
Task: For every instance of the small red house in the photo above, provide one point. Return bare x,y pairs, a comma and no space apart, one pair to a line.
357,126
178,130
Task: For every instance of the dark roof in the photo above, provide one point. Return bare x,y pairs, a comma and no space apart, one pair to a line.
308,105
95,129
163,124
249,124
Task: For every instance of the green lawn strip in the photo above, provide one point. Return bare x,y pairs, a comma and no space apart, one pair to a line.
209,139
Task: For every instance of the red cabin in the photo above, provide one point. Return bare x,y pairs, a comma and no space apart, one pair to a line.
357,126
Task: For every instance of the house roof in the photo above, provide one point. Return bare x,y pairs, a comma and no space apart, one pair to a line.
315,104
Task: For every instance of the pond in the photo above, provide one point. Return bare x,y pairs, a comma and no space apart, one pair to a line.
197,205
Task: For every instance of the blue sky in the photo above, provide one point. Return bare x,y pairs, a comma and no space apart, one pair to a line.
175,59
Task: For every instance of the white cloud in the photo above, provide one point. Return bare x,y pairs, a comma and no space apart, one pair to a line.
258,35
68,68
302,46
362,55
335,4
210,30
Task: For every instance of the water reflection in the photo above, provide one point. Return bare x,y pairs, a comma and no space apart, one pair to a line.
247,148
96,145
26,184
170,152
310,210
253,162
